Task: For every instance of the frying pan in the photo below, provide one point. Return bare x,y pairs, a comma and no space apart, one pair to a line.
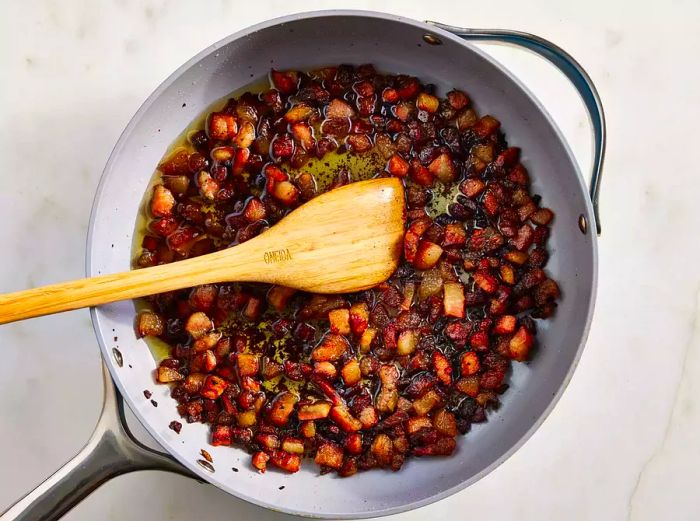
436,54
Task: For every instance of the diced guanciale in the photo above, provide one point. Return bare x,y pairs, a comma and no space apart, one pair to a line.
388,395
425,403
339,321
331,348
198,324
285,461
520,344
367,338
279,296
351,373
167,375
427,255
222,126
293,445
427,102
150,324
213,387
341,416
442,367
417,423
469,363
282,408
314,411
329,455
382,449
163,202
407,342
260,460
248,364
369,379
453,301
359,318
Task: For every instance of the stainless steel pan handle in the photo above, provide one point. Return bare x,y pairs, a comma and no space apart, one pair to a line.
572,70
111,451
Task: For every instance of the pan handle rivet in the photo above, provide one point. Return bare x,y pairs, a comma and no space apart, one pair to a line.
206,465
432,39
118,358
582,224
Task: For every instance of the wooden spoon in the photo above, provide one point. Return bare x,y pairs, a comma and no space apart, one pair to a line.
345,240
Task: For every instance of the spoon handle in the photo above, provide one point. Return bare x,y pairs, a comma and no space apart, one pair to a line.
346,240
103,289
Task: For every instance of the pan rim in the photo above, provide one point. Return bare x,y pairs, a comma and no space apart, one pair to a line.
99,198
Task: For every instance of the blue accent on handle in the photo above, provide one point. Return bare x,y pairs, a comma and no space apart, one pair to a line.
572,70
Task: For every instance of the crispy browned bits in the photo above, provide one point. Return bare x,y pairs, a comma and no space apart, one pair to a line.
355,381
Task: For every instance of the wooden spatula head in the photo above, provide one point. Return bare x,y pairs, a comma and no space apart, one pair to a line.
345,240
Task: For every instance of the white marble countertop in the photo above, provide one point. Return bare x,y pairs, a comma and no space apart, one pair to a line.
622,442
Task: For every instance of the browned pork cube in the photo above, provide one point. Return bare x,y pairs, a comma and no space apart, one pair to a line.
150,324
382,449
340,321
388,395
342,417
329,455
331,348
198,325
282,408
351,373
313,411
285,461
